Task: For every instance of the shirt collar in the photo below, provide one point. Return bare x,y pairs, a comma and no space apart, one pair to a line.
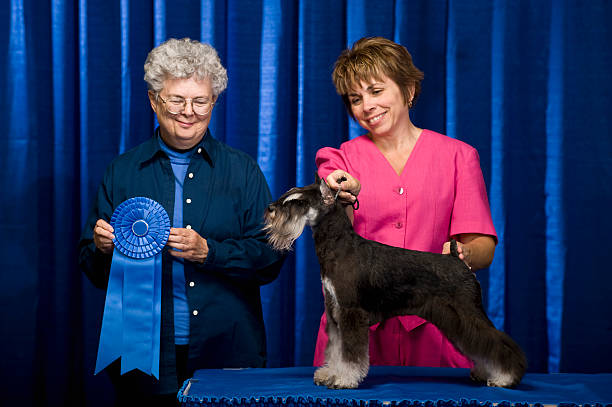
205,148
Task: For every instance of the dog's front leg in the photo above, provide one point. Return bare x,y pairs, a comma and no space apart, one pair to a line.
349,360
325,375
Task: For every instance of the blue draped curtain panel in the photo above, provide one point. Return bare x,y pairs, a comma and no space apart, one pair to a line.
527,82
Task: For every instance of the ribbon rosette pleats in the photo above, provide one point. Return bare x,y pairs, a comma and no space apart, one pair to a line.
132,312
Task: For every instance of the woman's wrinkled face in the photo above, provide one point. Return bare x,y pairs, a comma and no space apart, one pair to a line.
378,106
185,129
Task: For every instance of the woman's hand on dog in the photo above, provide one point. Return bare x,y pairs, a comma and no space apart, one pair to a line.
462,250
475,249
348,185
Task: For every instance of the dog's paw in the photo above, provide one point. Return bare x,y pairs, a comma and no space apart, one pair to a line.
339,378
323,376
493,378
343,383
502,380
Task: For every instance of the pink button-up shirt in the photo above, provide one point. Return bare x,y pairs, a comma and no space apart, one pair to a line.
440,193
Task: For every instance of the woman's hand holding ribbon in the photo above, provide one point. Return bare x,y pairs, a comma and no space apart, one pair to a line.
103,236
187,244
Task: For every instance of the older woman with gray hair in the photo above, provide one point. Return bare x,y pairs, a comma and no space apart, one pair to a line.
216,257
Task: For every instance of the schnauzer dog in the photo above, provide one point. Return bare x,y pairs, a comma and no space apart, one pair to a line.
366,282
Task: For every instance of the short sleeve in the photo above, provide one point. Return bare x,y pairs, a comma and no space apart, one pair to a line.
471,211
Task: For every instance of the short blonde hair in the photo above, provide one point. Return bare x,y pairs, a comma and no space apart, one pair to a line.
371,58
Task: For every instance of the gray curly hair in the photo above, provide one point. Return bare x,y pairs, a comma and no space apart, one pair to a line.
182,59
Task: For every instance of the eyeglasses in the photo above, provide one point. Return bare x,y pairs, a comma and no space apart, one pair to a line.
177,104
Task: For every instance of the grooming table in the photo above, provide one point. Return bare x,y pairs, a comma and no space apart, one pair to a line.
384,386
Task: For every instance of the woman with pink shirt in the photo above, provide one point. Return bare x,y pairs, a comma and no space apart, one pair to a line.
417,189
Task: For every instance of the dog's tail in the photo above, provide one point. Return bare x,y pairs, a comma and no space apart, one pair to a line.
453,248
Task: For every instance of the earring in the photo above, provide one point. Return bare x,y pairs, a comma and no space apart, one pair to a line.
410,105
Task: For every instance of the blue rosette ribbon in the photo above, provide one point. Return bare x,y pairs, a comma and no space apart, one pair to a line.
131,325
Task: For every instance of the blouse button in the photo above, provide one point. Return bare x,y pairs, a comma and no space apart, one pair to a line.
188,227
398,225
188,200
195,312
191,284
400,190
190,175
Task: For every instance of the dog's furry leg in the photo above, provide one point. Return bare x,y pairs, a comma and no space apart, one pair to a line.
325,375
503,363
346,356
354,364
498,360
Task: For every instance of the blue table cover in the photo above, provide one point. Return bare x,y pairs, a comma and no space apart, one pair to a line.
384,386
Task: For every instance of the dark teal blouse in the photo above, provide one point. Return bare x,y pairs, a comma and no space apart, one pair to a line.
224,201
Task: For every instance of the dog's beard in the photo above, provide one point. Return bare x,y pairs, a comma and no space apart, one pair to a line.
282,232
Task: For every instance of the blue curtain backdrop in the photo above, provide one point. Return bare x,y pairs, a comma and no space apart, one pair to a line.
526,82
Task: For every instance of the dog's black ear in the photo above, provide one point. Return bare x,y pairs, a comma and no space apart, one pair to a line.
326,193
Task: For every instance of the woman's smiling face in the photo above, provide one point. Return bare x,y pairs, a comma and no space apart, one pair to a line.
378,106
184,130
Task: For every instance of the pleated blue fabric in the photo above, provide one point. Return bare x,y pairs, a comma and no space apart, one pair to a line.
497,281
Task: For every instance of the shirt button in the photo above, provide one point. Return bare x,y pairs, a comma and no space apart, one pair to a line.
398,225
400,190
191,284
199,150
195,312
188,227
190,175
188,200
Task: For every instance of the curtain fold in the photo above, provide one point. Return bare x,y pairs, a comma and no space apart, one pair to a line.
277,117
497,277
525,82
553,187
321,29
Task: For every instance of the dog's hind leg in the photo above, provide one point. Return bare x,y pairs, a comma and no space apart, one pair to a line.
498,360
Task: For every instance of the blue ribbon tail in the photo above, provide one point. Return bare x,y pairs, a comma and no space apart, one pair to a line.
133,326
157,309
111,340
139,281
